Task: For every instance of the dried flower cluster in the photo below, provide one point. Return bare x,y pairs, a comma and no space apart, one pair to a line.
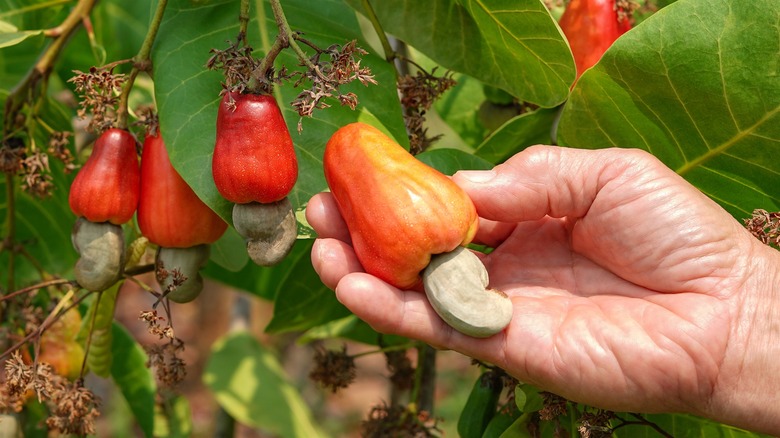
58,148
177,278
418,93
164,358
154,327
596,424
553,406
333,67
169,368
398,421
36,175
237,65
765,226
333,369
73,408
99,90
401,369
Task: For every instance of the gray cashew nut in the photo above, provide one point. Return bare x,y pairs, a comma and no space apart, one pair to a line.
101,247
269,229
456,285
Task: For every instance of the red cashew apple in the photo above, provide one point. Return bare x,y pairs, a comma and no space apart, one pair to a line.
399,211
591,26
254,158
170,214
106,189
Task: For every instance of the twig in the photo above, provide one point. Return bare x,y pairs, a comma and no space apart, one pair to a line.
642,421
55,282
390,54
141,62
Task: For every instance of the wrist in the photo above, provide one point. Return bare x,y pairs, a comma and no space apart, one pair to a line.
747,391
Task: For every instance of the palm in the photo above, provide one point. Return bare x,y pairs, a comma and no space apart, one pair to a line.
579,323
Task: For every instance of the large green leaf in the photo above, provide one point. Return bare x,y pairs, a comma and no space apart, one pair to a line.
134,379
250,384
697,85
187,94
517,134
302,301
511,44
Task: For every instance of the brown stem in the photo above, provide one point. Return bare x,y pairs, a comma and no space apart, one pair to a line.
55,282
426,378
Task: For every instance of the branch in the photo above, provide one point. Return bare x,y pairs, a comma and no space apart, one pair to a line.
390,54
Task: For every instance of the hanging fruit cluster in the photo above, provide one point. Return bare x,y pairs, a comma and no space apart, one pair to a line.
104,195
254,166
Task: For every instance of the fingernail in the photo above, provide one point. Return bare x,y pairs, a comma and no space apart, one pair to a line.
477,176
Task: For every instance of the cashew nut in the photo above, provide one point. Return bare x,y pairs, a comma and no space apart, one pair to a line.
456,286
269,229
188,262
101,247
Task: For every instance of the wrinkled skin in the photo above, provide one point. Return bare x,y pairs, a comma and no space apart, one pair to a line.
633,291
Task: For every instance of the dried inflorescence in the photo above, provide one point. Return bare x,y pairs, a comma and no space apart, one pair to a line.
99,89
333,369
58,148
154,327
37,175
765,226
553,406
162,274
73,408
237,65
400,366
596,424
625,9
398,421
418,93
170,369
333,67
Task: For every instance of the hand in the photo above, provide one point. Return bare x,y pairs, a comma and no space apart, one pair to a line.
632,290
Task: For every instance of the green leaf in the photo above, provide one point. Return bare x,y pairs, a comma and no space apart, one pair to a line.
302,301
134,379
449,161
250,384
173,419
698,86
229,251
352,328
10,35
187,94
683,426
458,106
511,44
517,134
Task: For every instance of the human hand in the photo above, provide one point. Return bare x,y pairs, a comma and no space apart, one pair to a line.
632,290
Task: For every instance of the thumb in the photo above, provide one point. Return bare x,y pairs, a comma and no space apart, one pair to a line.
546,180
